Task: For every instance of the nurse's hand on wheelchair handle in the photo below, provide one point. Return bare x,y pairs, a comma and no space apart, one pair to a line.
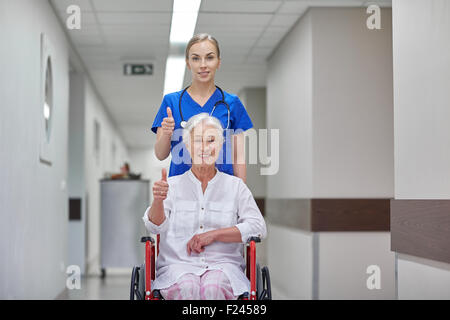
161,187
168,123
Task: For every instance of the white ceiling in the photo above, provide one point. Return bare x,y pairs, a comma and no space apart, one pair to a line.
114,32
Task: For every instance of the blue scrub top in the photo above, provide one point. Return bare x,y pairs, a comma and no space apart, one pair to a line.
239,119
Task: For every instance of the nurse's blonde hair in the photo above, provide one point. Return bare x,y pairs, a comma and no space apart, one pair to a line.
205,119
199,38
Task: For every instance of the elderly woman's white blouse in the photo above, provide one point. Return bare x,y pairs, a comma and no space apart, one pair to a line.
227,202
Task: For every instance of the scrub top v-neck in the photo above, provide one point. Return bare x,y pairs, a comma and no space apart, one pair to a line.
198,104
239,122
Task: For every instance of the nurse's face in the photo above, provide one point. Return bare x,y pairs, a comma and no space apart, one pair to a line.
203,61
204,145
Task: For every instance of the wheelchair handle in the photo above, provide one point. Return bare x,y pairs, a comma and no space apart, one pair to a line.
256,239
145,239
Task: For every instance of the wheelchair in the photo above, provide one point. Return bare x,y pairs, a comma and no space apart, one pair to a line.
142,275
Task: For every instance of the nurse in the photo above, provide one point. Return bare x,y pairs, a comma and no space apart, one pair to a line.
203,60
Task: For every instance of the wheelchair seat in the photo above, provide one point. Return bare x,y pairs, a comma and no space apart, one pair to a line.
143,275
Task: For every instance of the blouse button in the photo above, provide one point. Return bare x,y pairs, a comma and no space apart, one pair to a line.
201,227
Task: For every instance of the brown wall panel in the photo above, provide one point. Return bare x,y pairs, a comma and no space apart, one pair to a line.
330,214
421,228
260,202
350,214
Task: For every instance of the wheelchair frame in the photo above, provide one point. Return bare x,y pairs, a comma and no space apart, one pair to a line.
260,288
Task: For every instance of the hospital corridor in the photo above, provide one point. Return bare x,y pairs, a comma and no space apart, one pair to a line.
225,149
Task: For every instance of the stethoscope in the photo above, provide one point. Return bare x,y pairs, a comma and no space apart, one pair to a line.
183,123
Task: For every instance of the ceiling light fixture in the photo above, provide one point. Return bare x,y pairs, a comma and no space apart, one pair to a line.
175,68
184,20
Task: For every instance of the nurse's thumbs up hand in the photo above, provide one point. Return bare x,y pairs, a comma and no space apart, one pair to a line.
161,187
168,123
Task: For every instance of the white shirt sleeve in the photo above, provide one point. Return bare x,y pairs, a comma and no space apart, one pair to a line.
153,228
250,220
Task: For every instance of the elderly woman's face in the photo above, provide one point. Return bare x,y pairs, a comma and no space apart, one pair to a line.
205,144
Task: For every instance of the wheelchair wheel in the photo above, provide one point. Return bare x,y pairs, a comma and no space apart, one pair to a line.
134,287
259,284
137,288
142,281
266,293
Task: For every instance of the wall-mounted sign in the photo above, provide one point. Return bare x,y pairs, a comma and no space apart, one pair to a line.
132,69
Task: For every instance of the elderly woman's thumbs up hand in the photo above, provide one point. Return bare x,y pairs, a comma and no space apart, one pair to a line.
161,187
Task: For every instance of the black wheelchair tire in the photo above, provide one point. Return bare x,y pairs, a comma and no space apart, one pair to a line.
141,288
134,281
267,291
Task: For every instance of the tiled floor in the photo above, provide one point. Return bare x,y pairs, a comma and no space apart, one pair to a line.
113,287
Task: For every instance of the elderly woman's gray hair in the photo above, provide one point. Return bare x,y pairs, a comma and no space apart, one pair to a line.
205,119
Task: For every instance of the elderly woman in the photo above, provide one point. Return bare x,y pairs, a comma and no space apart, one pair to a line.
203,216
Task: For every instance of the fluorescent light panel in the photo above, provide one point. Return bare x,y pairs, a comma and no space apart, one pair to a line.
175,68
184,19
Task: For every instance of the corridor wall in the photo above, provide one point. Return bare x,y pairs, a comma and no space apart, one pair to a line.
329,91
34,189
33,194
421,209
96,147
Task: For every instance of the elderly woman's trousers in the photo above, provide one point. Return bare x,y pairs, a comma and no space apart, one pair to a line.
211,285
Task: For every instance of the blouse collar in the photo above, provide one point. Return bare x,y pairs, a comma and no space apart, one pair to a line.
195,179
